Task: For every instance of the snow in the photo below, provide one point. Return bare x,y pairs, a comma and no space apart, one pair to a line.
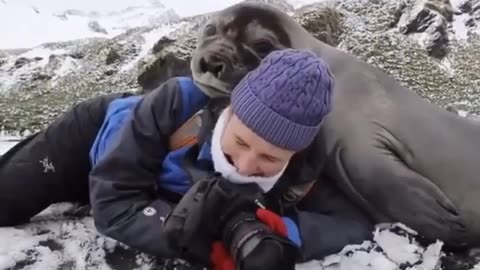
459,27
43,53
49,242
150,38
187,8
29,23
37,59
68,66
457,3
7,142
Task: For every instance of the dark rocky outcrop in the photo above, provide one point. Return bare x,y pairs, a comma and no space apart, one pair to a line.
430,17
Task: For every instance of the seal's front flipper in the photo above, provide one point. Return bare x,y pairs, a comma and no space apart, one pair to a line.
390,191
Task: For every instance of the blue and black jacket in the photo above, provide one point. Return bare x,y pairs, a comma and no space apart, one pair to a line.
133,167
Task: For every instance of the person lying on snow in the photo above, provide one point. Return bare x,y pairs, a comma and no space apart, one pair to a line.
139,167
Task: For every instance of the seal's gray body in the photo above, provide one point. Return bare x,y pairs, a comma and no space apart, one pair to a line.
400,157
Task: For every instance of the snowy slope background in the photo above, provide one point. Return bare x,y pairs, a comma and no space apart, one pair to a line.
53,44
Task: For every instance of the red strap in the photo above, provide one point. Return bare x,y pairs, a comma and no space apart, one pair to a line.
273,220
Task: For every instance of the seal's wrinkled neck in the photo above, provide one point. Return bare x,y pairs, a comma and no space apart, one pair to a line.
223,166
213,92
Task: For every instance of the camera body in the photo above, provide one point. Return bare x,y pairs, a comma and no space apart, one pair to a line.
217,209
205,209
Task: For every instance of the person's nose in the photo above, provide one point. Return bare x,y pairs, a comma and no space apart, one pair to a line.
246,166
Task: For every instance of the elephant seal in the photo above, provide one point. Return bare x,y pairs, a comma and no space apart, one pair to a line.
400,157
232,43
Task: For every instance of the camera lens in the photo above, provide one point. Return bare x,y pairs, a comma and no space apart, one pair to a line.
239,234
253,245
266,253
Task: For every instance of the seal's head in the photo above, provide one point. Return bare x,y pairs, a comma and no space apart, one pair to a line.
234,41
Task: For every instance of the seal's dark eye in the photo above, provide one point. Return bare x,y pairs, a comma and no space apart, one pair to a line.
210,30
263,48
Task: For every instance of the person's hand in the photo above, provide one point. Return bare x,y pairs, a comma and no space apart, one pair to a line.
284,226
280,248
220,257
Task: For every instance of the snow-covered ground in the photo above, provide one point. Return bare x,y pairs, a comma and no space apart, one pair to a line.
6,142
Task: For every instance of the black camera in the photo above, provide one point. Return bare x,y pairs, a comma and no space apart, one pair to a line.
253,245
216,208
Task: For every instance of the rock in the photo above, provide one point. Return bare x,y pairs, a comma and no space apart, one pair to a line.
112,56
429,17
95,27
169,57
76,55
41,76
109,72
453,80
471,7
166,66
20,62
324,23
444,7
459,261
161,44
4,54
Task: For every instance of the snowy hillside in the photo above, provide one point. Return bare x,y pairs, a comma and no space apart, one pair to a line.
25,24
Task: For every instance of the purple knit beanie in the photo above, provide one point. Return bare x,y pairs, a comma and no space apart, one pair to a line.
285,99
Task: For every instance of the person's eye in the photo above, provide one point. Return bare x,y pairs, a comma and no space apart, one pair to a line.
270,158
241,143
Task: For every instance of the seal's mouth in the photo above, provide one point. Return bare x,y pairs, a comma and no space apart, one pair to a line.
217,71
220,65
215,68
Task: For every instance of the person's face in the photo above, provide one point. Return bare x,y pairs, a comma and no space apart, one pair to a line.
249,153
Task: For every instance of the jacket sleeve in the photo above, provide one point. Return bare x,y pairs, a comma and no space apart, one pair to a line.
123,183
327,222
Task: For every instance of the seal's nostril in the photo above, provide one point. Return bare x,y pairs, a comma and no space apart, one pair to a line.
216,69
203,65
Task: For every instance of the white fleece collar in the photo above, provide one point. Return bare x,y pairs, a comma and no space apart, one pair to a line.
229,171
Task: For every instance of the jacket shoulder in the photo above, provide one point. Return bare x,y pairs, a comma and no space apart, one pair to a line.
193,99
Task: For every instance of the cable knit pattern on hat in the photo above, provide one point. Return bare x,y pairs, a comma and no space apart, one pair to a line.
286,98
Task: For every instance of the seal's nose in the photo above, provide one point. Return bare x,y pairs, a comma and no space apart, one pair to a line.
213,64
